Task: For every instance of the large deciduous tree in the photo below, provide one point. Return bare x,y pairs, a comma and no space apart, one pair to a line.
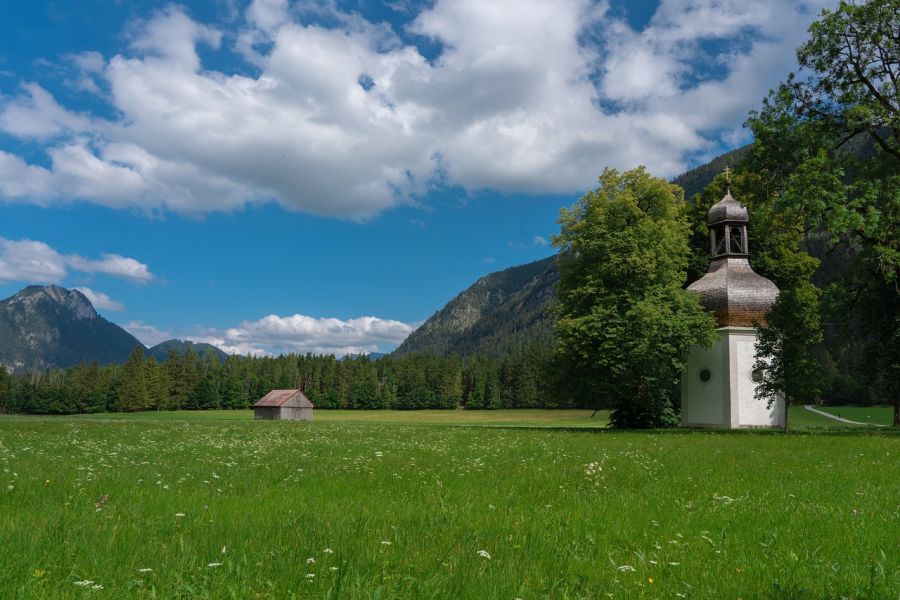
828,145
625,322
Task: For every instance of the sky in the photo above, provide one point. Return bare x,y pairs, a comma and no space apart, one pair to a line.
290,176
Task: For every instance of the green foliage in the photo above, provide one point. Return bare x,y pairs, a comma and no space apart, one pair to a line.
625,322
810,152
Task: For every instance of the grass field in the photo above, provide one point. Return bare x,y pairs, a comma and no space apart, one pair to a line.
198,505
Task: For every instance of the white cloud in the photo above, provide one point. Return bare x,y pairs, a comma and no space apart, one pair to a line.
297,333
31,261
36,114
539,240
527,96
146,334
101,300
115,265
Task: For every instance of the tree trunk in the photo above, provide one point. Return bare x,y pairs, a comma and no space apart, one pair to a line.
897,410
786,406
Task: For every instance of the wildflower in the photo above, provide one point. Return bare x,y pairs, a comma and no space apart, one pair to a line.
84,583
213,565
385,543
179,514
626,568
674,564
97,586
38,573
328,551
310,561
224,549
145,570
484,554
310,575
650,580
332,568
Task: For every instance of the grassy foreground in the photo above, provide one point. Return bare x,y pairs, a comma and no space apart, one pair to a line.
155,507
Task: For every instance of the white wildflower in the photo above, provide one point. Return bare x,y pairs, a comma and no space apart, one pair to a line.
97,586
224,549
310,575
328,551
145,570
179,514
385,543
332,568
213,565
84,583
310,561
626,568
484,554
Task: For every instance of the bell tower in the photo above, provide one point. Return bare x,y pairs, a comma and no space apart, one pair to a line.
719,384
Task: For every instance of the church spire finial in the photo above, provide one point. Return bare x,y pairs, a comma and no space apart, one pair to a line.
728,178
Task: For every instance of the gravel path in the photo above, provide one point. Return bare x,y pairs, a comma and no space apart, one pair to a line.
812,408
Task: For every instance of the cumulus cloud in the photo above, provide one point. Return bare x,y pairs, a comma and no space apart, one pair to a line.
101,300
115,265
297,333
351,119
31,261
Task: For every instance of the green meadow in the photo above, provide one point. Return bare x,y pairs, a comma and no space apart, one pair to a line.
502,504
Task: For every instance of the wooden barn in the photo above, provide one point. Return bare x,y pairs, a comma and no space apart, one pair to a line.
284,405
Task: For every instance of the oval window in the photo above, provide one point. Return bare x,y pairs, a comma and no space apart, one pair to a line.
705,375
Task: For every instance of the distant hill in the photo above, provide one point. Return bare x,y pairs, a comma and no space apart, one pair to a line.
499,313
161,350
49,326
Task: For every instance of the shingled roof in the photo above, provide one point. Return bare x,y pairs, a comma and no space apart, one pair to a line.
279,397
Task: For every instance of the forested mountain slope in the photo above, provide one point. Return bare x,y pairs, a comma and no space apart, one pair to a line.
499,313
161,350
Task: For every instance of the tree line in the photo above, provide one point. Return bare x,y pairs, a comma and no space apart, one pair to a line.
195,382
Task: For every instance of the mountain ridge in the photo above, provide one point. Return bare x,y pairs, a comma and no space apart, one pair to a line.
42,327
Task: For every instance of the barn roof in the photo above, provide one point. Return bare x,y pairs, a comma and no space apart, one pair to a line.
279,397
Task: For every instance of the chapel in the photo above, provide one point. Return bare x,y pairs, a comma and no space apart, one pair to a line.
719,384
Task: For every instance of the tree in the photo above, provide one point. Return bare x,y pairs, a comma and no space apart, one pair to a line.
133,389
828,146
625,321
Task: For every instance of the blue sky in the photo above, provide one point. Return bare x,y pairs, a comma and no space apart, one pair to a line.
279,176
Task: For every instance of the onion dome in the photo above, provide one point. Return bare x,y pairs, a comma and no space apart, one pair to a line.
727,209
731,289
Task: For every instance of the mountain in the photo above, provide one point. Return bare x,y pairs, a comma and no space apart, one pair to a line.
161,350
695,180
507,310
49,326
499,313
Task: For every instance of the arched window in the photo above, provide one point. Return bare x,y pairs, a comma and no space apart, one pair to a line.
736,241
718,240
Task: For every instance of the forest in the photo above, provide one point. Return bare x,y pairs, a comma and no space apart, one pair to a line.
191,381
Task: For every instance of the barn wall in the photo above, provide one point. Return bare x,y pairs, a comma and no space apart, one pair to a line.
265,413
290,413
